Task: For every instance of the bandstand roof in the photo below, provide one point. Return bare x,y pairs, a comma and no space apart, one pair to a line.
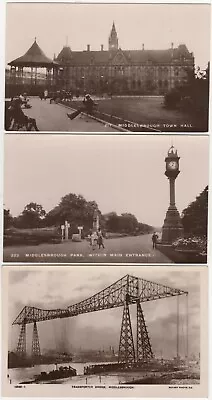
34,57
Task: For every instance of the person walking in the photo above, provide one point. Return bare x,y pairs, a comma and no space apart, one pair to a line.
154,240
94,240
100,239
45,94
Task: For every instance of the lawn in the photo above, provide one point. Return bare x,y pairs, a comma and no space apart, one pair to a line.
145,112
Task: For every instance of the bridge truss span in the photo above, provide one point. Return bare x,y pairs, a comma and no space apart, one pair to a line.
126,291
30,315
111,297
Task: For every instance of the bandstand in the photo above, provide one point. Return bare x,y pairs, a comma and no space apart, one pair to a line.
32,73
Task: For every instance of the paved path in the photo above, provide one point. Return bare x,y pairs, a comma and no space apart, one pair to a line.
136,249
53,117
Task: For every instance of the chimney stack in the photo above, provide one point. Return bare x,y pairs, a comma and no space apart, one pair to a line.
88,47
172,49
102,47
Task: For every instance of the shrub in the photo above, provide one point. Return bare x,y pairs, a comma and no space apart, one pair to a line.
14,236
192,243
172,99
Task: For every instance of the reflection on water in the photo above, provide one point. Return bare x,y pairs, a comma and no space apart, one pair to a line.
18,375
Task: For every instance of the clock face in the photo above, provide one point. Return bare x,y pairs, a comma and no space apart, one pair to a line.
172,165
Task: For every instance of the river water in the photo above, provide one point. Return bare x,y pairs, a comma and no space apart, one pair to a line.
18,375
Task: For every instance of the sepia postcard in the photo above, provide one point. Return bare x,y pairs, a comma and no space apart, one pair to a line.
106,199
84,332
106,242
138,68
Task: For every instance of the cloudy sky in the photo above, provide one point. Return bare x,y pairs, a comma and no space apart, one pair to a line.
121,173
157,26
63,287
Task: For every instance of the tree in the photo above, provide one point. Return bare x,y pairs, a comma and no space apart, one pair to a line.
192,96
74,209
195,216
32,216
128,223
145,228
125,223
198,91
8,219
112,222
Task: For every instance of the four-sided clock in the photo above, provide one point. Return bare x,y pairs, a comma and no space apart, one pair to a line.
172,165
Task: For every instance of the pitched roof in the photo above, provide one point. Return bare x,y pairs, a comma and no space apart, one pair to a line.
67,56
33,57
113,30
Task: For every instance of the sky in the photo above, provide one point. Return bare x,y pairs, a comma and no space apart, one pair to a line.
59,288
155,25
121,173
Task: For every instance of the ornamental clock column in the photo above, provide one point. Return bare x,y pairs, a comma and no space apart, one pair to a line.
96,223
172,227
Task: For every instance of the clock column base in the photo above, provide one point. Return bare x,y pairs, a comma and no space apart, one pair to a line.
172,227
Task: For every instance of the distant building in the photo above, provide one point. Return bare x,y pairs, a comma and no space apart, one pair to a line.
114,70
124,71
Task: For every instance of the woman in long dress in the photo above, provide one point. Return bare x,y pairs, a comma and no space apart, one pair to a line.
94,240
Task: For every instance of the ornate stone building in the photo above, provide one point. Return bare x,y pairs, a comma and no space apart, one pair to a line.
123,71
114,70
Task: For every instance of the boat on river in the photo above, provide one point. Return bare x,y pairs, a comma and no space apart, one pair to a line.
61,372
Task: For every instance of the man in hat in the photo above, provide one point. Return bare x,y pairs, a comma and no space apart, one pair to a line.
89,104
154,240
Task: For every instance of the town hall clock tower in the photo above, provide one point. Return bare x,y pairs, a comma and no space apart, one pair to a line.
113,39
172,227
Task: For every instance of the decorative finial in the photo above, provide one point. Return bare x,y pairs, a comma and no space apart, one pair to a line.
172,150
35,39
66,41
113,26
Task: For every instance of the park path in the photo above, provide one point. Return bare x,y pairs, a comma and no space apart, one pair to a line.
53,117
135,249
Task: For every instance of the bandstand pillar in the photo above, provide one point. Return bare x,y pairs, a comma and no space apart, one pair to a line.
31,76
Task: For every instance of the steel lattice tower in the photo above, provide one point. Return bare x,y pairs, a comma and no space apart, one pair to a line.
126,291
126,344
144,348
35,342
21,347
